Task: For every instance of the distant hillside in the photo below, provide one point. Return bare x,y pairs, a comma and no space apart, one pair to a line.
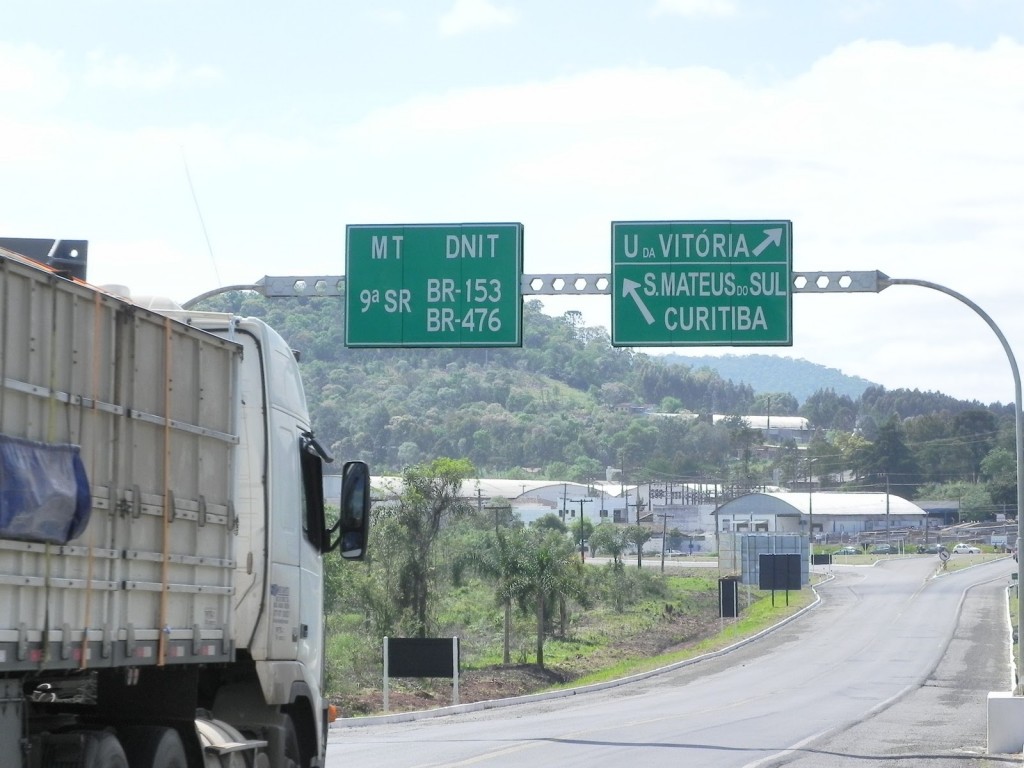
566,405
771,373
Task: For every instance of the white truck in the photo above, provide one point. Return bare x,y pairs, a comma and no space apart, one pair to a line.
162,532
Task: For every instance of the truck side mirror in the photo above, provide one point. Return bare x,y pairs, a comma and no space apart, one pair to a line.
353,524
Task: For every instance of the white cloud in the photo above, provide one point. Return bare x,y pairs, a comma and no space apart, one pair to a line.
721,8
904,159
125,73
473,15
857,11
30,77
390,17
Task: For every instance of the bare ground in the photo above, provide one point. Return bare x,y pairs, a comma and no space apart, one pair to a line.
673,631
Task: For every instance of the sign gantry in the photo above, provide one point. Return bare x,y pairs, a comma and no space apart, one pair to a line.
433,285
702,283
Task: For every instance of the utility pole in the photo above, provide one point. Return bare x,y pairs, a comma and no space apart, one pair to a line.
888,533
639,513
810,507
664,536
496,509
622,472
581,502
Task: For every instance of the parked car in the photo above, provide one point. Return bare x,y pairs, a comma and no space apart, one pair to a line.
847,551
966,549
927,549
885,549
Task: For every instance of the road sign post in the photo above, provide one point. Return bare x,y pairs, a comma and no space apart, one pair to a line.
434,285
702,283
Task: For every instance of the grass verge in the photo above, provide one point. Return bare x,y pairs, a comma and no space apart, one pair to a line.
759,615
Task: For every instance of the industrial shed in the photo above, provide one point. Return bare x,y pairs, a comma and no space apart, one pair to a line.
826,514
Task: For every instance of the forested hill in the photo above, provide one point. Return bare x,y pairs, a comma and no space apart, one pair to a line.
774,373
566,405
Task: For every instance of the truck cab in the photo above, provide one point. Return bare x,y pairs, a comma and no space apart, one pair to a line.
162,578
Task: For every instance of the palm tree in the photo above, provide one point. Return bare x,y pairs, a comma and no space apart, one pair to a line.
551,571
499,557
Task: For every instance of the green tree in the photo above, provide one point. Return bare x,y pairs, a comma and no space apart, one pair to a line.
500,558
549,522
827,410
848,446
550,571
999,468
430,494
975,503
976,432
637,535
610,539
370,590
582,529
788,461
934,447
743,438
774,404
671,405
887,463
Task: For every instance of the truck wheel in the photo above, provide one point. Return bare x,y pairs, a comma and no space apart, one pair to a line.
154,747
292,757
103,750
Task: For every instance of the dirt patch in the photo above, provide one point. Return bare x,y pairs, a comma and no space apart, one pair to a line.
485,684
672,632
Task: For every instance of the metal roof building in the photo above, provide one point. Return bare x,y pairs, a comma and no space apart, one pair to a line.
828,514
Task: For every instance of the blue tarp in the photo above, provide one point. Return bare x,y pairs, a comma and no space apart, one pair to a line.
44,491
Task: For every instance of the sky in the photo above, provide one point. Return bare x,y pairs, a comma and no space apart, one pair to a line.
203,144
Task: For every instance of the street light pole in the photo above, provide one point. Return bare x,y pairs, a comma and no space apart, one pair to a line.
876,282
883,282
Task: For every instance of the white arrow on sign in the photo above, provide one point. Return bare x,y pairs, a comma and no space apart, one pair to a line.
629,289
774,237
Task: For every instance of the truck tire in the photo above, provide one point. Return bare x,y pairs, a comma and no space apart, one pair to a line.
103,750
154,747
291,745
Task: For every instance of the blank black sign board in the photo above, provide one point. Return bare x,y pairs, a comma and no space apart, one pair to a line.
728,597
420,657
779,572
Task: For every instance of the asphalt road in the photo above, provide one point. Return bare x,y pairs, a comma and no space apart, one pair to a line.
892,668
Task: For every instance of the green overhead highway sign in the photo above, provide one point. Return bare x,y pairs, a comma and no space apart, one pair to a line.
433,285
702,283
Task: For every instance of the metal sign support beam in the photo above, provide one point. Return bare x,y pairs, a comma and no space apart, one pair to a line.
553,284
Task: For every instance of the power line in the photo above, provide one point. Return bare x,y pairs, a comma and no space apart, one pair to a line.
199,213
